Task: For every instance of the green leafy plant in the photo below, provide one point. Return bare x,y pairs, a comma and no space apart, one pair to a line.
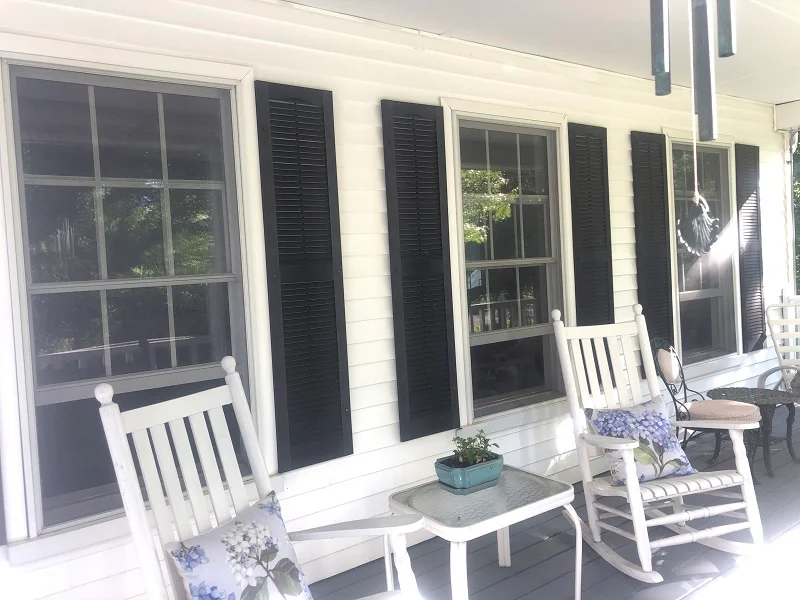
473,450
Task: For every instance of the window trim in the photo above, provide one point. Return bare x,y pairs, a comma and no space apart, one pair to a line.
674,138
83,389
503,116
20,509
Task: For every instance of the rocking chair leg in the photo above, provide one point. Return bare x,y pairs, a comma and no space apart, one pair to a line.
717,447
638,517
677,506
748,491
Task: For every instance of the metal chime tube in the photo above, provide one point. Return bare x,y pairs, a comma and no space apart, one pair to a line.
726,27
705,93
659,46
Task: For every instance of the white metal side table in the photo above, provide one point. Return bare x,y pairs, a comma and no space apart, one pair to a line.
518,495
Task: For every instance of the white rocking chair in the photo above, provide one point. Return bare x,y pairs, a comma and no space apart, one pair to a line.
178,518
584,352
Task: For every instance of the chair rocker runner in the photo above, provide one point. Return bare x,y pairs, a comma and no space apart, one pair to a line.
585,353
185,512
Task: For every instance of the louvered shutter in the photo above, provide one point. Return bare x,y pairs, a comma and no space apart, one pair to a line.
751,272
304,268
651,221
416,203
591,225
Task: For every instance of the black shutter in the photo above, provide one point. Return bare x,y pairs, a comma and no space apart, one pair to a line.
416,202
751,273
304,269
591,225
651,220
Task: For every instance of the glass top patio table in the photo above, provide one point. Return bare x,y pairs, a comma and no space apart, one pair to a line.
517,496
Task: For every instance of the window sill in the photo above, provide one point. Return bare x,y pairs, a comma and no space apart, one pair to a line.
724,363
518,418
93,536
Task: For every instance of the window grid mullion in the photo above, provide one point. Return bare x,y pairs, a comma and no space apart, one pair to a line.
518,237
490,212
521,237
100,229
166,218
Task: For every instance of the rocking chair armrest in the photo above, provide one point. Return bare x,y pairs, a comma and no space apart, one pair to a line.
607,442
722,424
393,525
762,379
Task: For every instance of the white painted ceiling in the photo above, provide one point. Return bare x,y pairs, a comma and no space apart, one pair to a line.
608,34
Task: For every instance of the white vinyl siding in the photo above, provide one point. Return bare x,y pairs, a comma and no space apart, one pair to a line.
362,63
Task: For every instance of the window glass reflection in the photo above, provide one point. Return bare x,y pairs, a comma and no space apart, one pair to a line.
62,233
67,337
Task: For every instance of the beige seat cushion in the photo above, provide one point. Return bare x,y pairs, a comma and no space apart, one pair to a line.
723,410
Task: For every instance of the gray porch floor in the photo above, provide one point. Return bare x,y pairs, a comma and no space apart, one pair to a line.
542,553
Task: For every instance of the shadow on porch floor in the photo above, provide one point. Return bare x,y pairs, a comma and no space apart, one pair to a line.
542,553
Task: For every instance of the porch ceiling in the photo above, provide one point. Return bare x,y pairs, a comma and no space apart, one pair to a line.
612,35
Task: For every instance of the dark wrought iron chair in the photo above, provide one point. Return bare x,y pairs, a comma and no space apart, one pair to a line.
670,370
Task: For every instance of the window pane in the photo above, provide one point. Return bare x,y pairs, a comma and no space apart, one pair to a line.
533,291
475,193
55,133
477,301
194,137
202,323
536,229
503,298
198,231
128,133
67,337
504,194
507,368
710,175
76,471
62,234
134,232
138,330
533,161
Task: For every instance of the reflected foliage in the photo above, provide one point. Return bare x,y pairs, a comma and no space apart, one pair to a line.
486,194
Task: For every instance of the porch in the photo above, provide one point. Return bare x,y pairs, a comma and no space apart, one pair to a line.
542,553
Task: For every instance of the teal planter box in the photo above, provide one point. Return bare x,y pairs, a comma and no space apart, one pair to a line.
463,478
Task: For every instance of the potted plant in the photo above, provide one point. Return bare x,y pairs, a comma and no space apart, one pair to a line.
471,464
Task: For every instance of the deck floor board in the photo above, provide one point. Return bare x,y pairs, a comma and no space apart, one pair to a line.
542,550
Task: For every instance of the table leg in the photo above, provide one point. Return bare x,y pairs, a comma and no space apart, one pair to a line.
458,570
503,547
751,437
387,564
789,426
576,522
767,412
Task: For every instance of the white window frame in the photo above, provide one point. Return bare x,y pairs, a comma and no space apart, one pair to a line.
683,138
17,445
454,111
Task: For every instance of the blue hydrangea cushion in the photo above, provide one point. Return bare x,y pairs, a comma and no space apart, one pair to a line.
659,453
249,558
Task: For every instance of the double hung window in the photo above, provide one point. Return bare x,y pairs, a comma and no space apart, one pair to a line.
509,216
705,282
131,261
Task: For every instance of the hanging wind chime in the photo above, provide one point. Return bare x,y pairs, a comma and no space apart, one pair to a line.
698,229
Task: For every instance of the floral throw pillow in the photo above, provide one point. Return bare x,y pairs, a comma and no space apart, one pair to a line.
249,558
659,453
